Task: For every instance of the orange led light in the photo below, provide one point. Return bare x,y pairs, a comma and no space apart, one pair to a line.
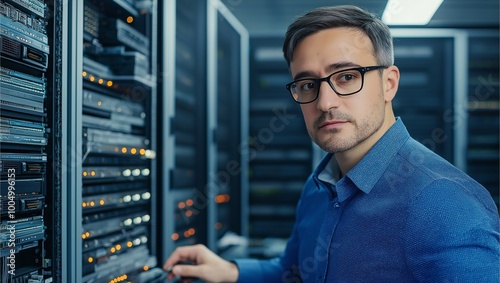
129,244
84,73
218,198
130,19
109,83
189,202
90,259
133,151
175,237
181,205
145,268
124,150
188,213
120,278
222,198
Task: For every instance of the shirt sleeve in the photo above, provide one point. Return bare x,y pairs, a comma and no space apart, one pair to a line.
279,269
255,270
453,234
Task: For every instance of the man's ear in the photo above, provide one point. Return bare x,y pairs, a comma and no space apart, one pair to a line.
391,83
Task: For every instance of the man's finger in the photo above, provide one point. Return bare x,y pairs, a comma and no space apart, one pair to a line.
185,271
187,253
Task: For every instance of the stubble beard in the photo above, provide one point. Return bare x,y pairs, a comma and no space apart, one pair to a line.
330,141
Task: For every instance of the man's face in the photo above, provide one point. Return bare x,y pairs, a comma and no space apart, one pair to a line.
335,123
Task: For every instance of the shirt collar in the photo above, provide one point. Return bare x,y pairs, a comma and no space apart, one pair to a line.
331,171
324,175
369,170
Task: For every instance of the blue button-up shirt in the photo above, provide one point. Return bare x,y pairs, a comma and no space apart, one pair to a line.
402,214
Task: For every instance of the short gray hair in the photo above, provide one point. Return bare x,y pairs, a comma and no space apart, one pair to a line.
341,16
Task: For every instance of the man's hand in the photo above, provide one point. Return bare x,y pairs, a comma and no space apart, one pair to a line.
206,265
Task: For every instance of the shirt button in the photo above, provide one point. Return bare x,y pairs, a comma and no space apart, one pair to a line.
337,204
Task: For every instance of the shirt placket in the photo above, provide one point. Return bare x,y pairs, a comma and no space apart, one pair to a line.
324,243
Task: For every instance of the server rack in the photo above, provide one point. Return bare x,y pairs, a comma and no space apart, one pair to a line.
184,137
26,127
228,124
281,152
482,153
203,122
110,190
426,90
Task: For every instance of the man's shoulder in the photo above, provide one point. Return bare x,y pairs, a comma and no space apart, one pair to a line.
416,155
435,179
415,167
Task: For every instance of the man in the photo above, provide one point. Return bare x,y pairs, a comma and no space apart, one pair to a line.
380,207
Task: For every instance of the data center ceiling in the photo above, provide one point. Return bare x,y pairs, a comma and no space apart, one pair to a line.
271,17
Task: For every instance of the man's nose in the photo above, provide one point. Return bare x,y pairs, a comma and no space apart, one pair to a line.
327,97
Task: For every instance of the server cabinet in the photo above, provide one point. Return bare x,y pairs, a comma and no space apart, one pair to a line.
111,141
426,90
280,155
184,136
482,150
202,119
26,124
228,124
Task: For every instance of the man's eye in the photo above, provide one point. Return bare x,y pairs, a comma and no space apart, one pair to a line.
307,86
346,77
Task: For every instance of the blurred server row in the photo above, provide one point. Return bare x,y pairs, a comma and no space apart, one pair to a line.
448,99
203,127
122,128
482,157
281,150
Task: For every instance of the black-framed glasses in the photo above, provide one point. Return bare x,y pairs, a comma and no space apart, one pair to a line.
343,83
